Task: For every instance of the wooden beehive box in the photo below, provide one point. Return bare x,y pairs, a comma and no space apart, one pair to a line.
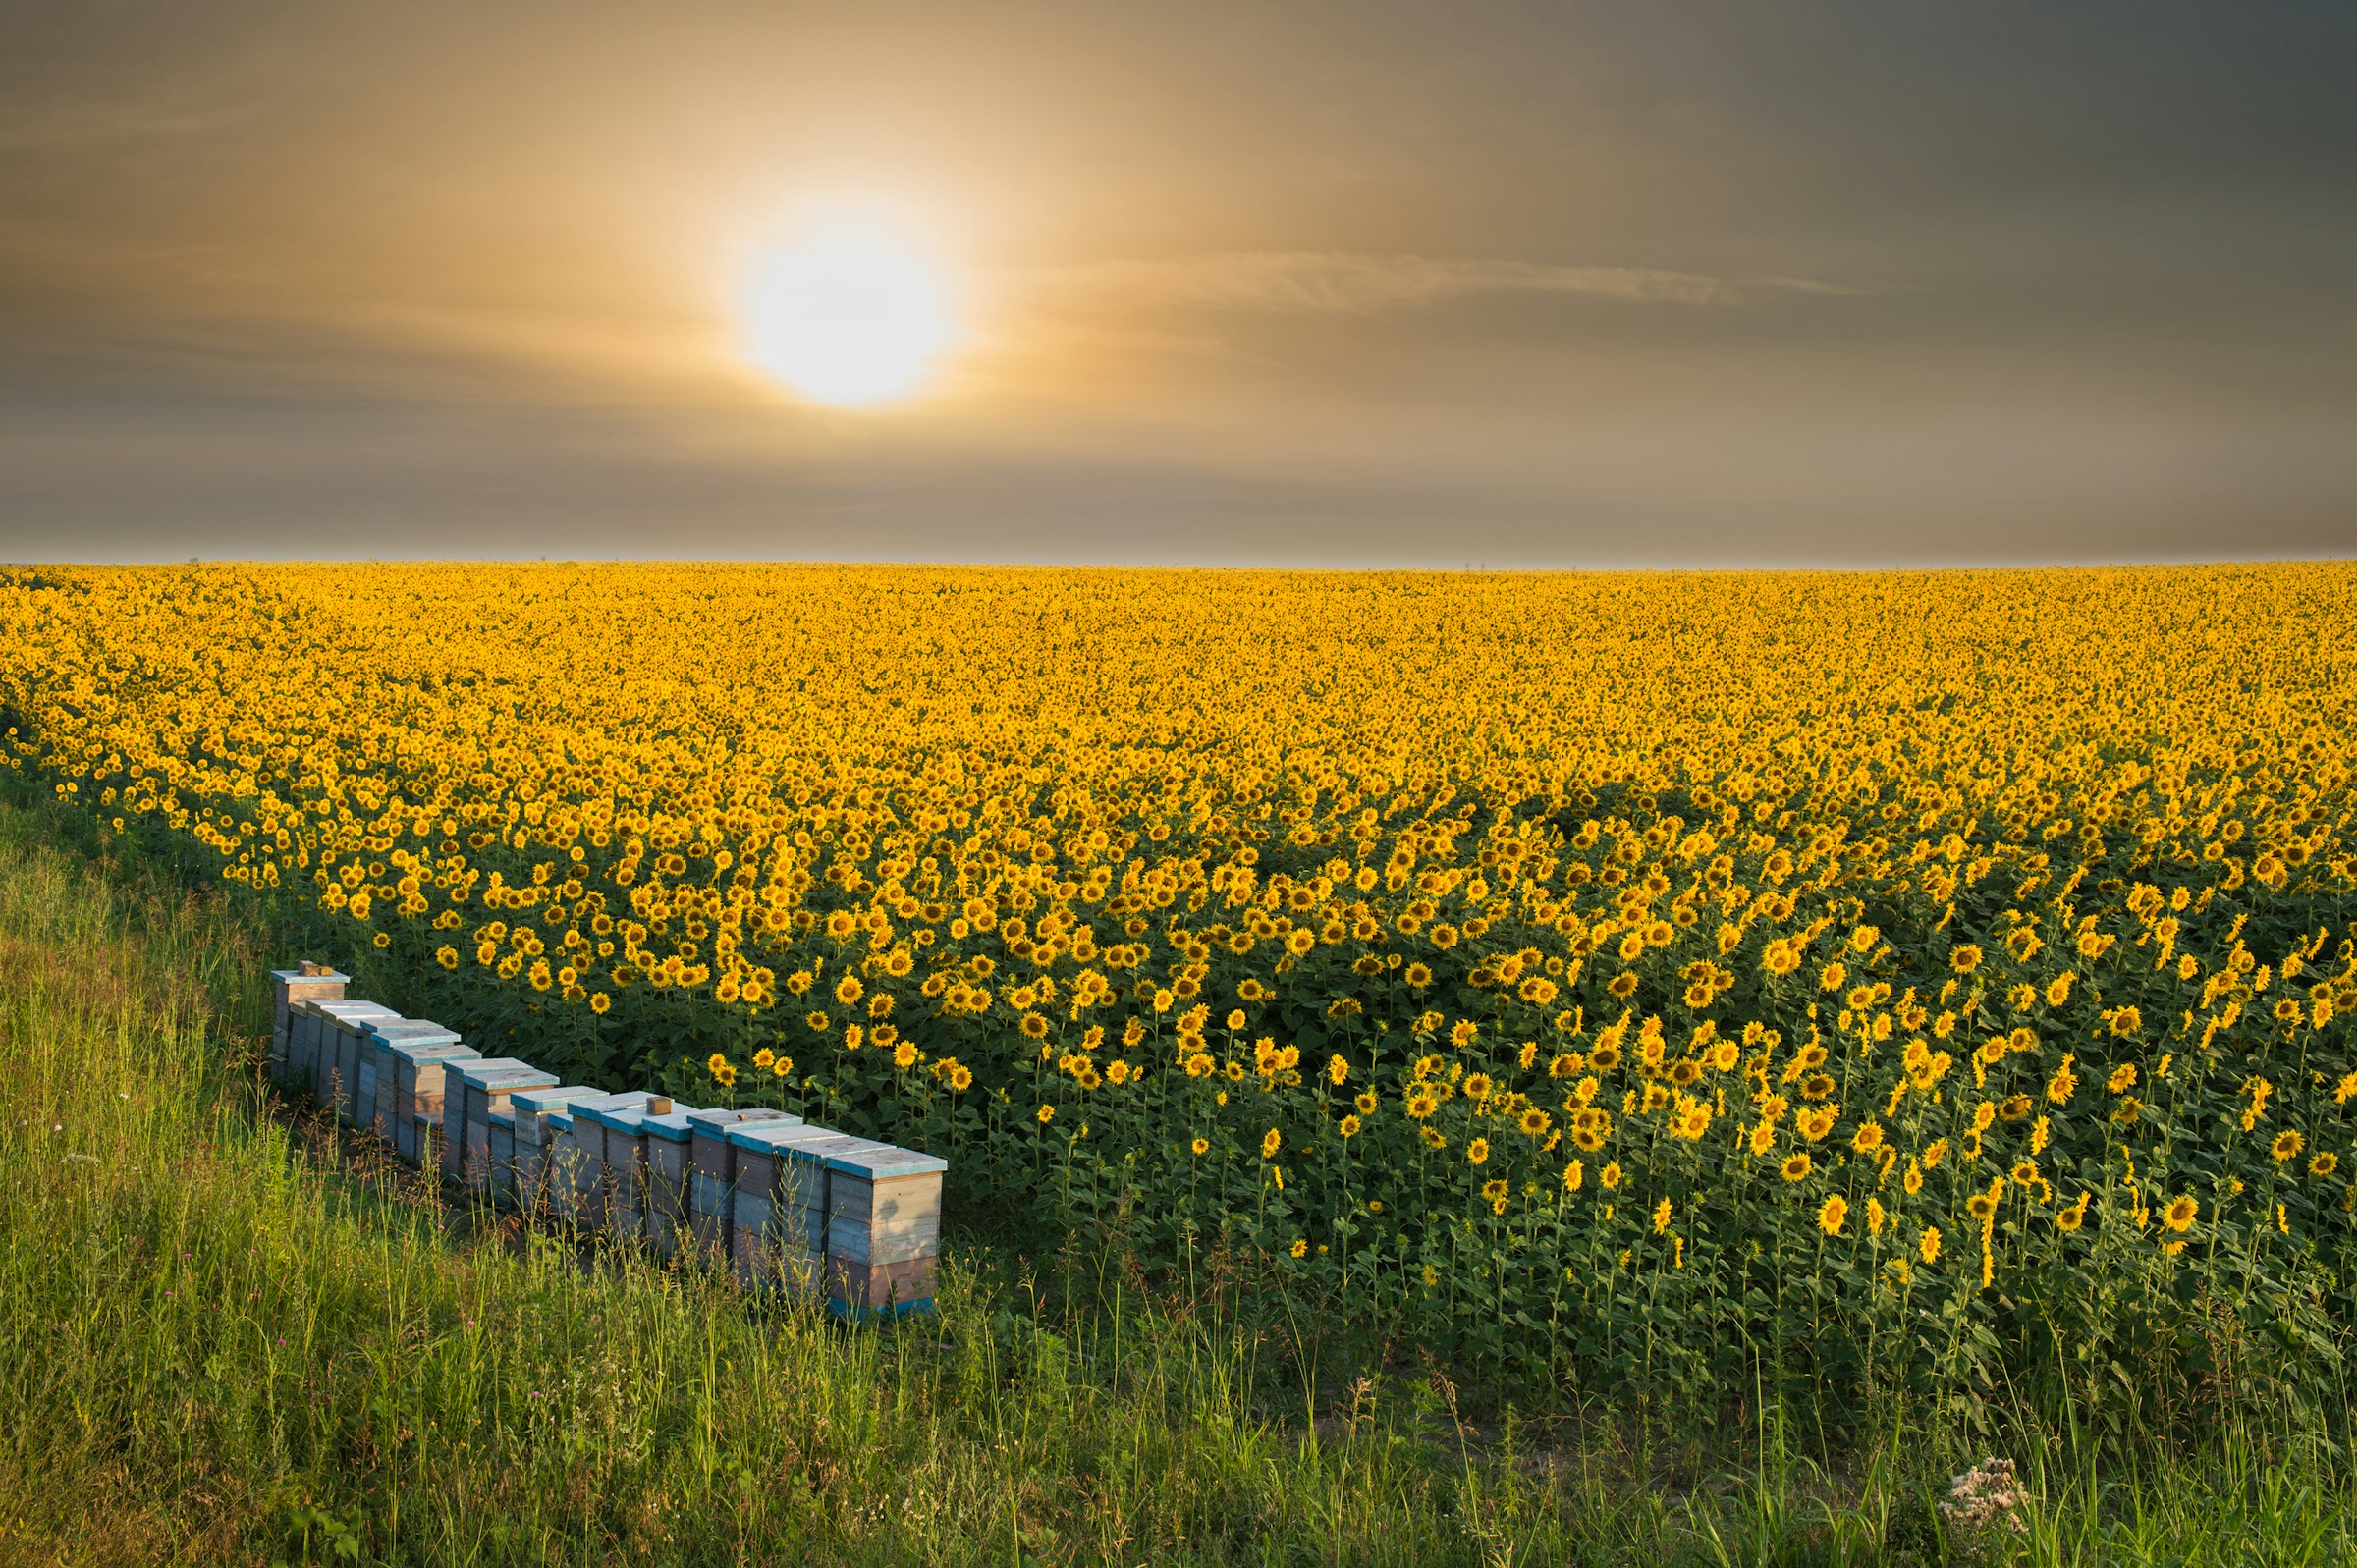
380,1069
417,1084
663,1189
540,1116
336,1055
290,988
482,1087
883,1230
560,1162
713,1163
584,1154
773,1234
623,1158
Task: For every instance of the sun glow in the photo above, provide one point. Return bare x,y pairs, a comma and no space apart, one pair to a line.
850,307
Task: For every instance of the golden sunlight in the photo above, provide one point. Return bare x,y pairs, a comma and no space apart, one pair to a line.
850,307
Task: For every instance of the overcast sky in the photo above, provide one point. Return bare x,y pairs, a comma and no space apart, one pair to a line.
1339,283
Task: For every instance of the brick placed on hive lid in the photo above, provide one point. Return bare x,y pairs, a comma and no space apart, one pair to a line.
289,987
764,1151
883,1229
587,1156
537,1112
662,1187
713,1161
482,1087
380,1071
418,1071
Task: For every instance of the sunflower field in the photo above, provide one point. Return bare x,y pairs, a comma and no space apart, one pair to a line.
1631,979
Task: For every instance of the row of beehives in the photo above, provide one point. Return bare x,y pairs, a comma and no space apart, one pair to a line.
779,1201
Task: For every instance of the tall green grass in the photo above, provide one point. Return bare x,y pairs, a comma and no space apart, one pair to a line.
226,1336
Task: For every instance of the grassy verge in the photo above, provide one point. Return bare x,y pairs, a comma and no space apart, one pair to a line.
225,1337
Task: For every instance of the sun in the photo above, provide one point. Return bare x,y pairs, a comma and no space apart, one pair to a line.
849,307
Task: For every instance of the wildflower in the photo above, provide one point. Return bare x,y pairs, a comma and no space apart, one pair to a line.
1047,1114
1928,1245
1831,1213
1478,1151
1201,1146
1797,1167
2287,1146
2180,1213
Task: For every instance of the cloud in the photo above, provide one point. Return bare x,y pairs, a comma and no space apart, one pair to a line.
1341,282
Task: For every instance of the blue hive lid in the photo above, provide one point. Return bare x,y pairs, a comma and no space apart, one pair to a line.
883,1162
672,1127
560,1097
502,1073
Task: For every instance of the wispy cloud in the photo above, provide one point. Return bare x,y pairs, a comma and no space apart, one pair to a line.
1341,282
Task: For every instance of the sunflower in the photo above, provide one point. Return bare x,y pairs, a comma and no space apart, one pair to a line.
1831,1215
2182,1213
2070,1219
1269,1143
1478,1151
2323,1165
2287,1146
1201,1146
1797,1167
1928,1248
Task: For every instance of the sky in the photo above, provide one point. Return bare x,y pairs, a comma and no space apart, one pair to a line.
1365,284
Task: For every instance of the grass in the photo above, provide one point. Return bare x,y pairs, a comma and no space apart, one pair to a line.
226,1335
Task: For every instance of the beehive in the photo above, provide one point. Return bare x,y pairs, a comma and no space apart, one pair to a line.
713,1159
482,1087
621,1159
336,1052
540,1116
883,1230
417,1083
777,1203
380,1071
582,1150
663,1191
289,987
